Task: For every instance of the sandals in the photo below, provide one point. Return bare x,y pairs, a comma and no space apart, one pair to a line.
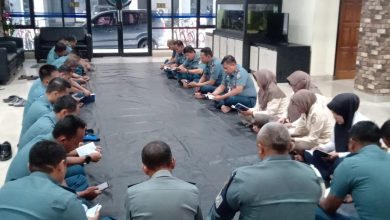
10,98
31,77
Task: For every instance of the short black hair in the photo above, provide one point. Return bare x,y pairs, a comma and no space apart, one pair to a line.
207,51
68,126
179,43
385,130
46,71
58,84
71,38
45,155
365,132
188,49
156,154
229,59
64,68
59,47
65,102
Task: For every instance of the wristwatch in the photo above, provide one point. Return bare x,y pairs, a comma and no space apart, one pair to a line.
87,159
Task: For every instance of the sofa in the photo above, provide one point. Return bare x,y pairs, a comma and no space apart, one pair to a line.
11,57
48,36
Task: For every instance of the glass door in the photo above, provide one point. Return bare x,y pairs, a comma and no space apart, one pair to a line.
121,27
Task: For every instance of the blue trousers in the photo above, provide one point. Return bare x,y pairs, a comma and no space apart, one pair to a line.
207,89
326,167
187,76
170,74
233,100
322,215
76,178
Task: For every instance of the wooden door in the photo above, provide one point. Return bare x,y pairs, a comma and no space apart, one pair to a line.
348,38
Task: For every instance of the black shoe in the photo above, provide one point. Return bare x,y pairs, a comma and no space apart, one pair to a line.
5,151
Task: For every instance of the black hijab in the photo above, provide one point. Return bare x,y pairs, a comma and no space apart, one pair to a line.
345,105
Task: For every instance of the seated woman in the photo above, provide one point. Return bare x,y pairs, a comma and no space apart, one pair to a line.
315,125
272,102
300,80
344,108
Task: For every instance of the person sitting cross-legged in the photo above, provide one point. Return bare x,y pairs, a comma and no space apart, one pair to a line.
275,188
40,195
364,175
56,88
64,106
212,74
148,200
236,87
385,133
189,71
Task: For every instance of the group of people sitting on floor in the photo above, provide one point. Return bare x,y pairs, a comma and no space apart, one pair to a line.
51,128
319,127
305,144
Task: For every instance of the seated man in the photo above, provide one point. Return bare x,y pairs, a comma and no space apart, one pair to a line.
71,41
385,133
57,88
43,197
46,74
189,70
236,85
68,132
259,192
148,200
64,106
179,60
364,174
171,60
66,72
59,54
212,74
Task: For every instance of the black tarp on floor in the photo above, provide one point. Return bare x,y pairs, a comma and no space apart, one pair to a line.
136,104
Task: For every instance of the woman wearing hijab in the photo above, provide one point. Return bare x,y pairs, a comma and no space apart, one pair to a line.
345,112
300,80
314,127
272,102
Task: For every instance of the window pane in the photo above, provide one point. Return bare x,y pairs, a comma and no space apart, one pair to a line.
184,13
75,12
202,36
161,36
48,13
19,11
162,10
207,12
188,36
28,37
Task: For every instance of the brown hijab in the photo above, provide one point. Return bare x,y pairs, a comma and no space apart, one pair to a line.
300,80
268,90
300,102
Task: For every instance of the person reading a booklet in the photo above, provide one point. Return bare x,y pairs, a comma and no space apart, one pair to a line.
39,194
236,87
364,175
68,132
272,102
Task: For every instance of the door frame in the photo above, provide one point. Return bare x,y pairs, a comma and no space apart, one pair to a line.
120,32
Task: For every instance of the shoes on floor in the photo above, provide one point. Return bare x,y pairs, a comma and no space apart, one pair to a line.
5,151
10,98
18,102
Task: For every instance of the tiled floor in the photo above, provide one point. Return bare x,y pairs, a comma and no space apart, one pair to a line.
11,117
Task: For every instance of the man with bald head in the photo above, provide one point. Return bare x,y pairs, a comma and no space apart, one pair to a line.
275,188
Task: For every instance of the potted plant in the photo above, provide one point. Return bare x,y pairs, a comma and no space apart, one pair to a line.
6,22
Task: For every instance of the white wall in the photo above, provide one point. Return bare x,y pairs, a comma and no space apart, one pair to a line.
314,23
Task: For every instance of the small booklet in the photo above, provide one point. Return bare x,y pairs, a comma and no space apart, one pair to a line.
86,149
240,107
92,211
209,96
